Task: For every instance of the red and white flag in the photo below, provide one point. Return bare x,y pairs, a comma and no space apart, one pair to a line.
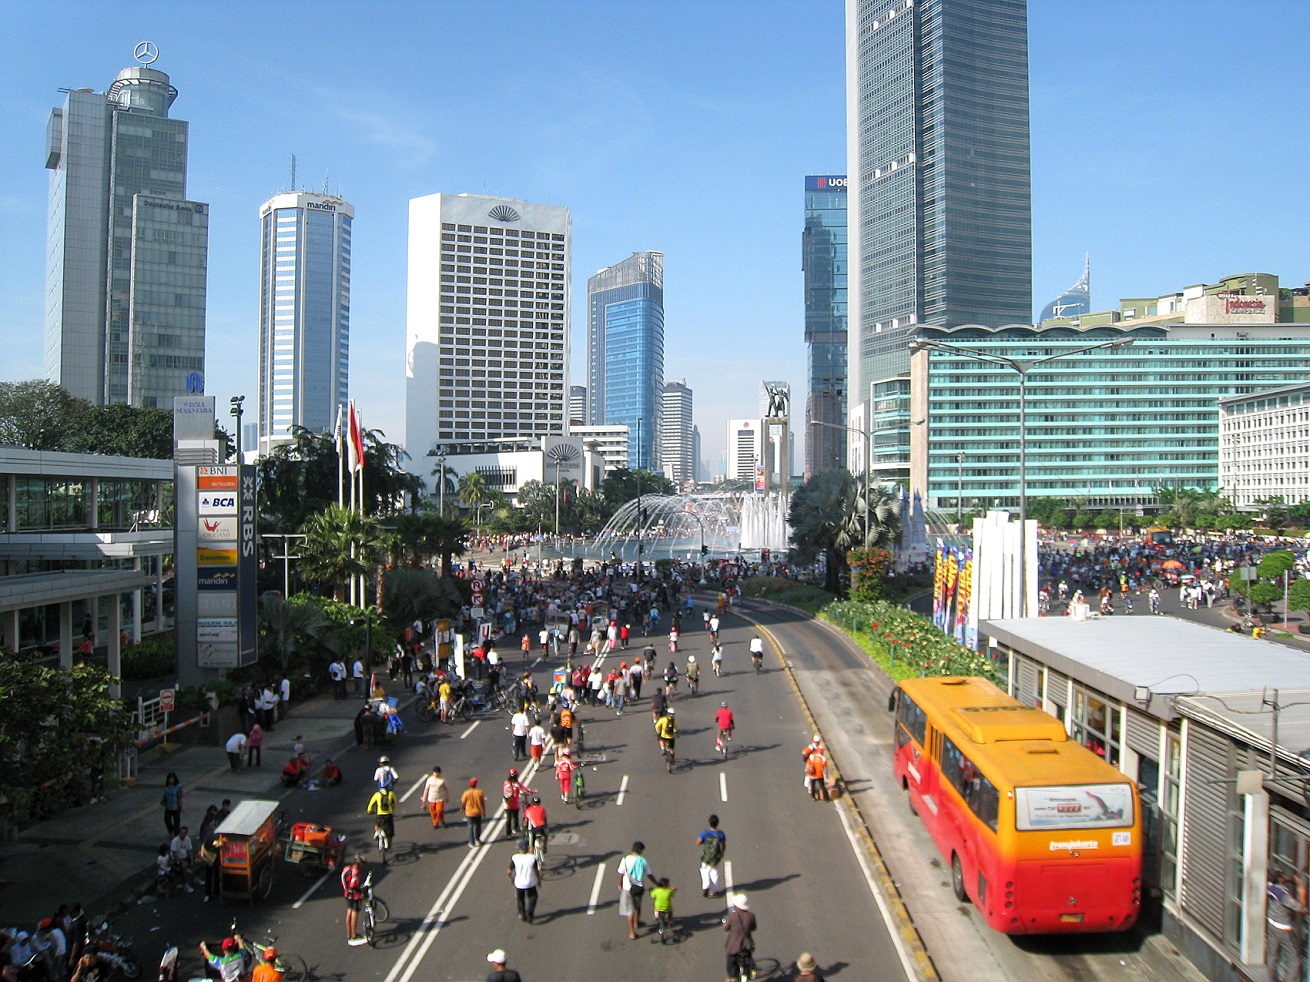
355,441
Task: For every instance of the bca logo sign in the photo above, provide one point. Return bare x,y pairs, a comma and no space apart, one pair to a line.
218,503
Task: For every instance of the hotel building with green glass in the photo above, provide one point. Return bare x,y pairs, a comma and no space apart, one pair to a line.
1107,427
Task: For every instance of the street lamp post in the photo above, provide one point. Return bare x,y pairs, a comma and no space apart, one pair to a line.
286,557
866,435
441,470
1021,368
236,402
558,463
959,488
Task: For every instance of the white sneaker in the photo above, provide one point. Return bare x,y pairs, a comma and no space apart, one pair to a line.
356,942
189,888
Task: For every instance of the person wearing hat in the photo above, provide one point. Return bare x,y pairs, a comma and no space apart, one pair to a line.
267,970
740,925
474,804
807,970
499,973
229,962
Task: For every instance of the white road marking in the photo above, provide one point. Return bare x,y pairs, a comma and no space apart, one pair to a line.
623,789
416,785
907,962
727,883
723,786
595,889
306,895
470,729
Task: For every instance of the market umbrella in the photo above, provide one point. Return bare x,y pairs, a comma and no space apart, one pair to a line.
1172,564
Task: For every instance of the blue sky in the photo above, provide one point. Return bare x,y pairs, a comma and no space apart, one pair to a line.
1167,139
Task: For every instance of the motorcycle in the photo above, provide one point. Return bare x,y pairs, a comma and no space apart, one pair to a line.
114,950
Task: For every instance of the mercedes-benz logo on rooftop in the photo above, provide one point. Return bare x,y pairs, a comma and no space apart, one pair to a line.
146,52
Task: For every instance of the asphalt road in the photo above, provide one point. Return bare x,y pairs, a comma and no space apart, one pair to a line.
450,905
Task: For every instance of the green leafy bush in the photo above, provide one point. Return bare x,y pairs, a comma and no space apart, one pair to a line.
907,644
153,658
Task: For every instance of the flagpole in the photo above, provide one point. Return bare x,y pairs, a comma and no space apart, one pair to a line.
341,462
363,577
354,580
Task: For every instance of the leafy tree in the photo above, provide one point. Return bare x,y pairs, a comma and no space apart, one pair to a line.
38,415
425,534
325,554
868,573
1298,595
473,494
123,431
414,592
1050,512
1275,564
51,717
1277,515
296,626
1082,519
823,520
620,486
1263,594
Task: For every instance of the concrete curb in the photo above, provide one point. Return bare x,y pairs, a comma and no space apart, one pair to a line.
913,944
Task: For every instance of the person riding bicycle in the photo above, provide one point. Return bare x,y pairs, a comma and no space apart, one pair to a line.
385,776
383,805
725,723
564,768
671,678
666,728
740,925
352,887
757,650
658,704
534,822
693,673
716,658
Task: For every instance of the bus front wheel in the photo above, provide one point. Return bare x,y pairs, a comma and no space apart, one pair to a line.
957,879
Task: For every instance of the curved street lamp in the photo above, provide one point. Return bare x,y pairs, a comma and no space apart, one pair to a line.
1021,368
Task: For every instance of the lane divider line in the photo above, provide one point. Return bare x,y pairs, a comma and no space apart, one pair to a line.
623,790
470,729
306,895
414,787
723,786
727,883
595,889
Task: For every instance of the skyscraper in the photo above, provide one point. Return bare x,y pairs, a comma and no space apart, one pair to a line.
487,321
577,405
304,313
625,349
676,448
126,251
823,264
939,192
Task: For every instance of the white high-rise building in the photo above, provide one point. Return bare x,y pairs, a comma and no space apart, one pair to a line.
126,252
304,313
487,321
744,449
677,457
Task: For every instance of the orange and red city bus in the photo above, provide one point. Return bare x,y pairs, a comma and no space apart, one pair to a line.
1041,834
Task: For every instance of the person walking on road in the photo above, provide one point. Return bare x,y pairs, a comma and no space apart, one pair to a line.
434,796
499,973
537,741
173,802
357,673
807,969
634,871
519,724
525,876
816,769
474,805
713,847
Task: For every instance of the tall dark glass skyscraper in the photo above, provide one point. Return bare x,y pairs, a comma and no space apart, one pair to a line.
939,194
823,262
126,252
625,350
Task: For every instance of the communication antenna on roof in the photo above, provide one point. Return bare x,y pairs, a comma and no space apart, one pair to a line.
293,172
325,182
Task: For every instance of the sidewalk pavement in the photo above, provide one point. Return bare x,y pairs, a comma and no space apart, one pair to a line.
103,854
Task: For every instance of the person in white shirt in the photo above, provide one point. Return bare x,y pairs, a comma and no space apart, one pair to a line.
525,874
537,741
337,672
235,747
357,672
179,853
519,724
284,692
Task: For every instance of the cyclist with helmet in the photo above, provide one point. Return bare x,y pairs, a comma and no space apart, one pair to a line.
666,729
385,777
534,822
671,679
383,805
693,674
512,791
352,887
564,768
726,724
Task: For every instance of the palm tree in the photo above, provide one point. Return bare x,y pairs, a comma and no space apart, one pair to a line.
327,555
473,494
884,510
825,518
426,534
287,628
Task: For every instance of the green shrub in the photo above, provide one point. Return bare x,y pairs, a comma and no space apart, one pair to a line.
906,644
152,658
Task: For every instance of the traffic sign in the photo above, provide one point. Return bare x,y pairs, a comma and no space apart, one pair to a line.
167,700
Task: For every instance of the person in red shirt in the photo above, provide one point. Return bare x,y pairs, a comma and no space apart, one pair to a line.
534,822
564,768
511,791
723,719
816,768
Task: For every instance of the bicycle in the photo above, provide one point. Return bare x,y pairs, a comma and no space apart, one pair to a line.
664,925
693,684
427,707
579,787
539,840
745,970
758,659
383,841
668,753
721,744
373,909
292,967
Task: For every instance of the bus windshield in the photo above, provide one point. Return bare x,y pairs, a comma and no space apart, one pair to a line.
1091,806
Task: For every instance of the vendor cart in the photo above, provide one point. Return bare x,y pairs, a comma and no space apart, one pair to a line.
248,847
314,848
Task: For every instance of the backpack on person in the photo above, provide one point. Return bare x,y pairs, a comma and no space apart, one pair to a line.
711,851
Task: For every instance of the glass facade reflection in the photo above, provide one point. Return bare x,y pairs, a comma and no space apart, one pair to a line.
823,264
304,321
625,350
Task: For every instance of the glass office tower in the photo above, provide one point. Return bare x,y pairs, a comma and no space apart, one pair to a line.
625,350
938,164
126,251
823,264
304,314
